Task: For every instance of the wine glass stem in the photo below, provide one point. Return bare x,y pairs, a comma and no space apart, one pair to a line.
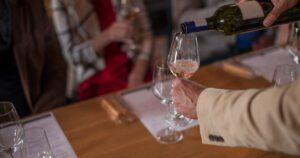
296,60
173,111
168,117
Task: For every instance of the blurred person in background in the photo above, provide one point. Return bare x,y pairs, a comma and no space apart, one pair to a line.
266,119
33,71
214,45
93,37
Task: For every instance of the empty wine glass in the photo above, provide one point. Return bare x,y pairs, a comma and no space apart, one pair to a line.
162,85
128,10
285,74
37,144
293,44
11,130
183,61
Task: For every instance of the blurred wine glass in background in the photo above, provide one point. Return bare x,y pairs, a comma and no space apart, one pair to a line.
162,85
293,42
129,10
37,144
285,74
11,130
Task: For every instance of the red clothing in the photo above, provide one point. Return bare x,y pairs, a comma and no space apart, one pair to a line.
115,75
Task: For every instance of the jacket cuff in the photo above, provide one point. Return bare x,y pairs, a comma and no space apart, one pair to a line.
210,134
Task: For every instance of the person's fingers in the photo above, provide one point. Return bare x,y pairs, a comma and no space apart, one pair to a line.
122,30
279,8
175,88
176,83
119,35
174,93
177,102
240,1
120,27
272,16
123,24
180,110
127,31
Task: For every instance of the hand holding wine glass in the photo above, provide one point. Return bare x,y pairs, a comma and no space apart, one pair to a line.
185,96
183,61
128,10
119,31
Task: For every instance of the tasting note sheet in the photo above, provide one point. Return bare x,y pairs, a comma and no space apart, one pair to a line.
59,144
265,63
148,109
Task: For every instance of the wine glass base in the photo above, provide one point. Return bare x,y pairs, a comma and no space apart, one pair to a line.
169,136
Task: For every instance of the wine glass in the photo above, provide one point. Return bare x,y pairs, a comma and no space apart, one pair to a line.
162,85
11,130
285,74
183,61
37,144
128,10
293,42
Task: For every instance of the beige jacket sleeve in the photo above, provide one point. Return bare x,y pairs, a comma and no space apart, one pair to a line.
266,119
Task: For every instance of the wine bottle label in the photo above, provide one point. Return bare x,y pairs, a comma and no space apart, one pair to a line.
251,10
200,22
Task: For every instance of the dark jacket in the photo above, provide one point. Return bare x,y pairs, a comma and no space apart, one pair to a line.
39,60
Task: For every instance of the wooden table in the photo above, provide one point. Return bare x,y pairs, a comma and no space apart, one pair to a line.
93,135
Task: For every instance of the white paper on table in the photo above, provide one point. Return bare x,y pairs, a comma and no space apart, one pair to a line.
59,143
264,64
148,109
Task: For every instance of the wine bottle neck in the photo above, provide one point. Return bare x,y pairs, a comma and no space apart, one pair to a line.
211,23
194,26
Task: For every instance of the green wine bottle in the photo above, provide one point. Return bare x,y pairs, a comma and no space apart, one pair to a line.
240,18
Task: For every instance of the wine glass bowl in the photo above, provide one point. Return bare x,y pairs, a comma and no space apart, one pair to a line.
11,129
162,82
183,58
